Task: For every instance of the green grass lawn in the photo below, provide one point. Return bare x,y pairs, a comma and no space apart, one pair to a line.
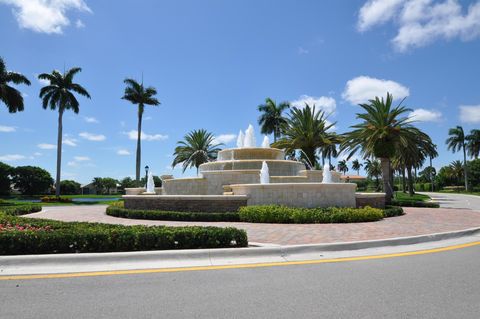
401,196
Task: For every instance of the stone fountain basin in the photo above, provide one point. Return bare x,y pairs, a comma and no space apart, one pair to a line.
251,153
308,195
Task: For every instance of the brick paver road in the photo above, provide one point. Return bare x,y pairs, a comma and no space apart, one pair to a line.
417,221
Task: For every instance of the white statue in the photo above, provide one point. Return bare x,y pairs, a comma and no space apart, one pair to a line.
327,175
264,174
249,140
150,183
240,139
266,142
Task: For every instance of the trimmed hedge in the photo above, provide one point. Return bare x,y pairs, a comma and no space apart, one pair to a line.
117,211
54,199
287,215
38,236
407,203
393,211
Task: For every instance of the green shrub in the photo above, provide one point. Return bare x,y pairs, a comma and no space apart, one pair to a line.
116,211
54,199
427,187
284,214
407,203
16,210
392,211
62,237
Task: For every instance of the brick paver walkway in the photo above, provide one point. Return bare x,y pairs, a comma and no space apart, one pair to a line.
417,221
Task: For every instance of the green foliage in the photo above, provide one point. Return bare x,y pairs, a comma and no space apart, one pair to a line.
62,237
473,143
32,180
271,119
116,211
393,211
104,185
197,148
5,178
286,215
69,187
10,96
55,199
474,172
127,182
414,203
17,210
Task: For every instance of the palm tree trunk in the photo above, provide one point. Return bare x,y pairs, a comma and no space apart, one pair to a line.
411,190
465,168
59,152
139,146
387,187
404,181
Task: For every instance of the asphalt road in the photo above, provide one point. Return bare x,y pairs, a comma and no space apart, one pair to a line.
438,285
456,200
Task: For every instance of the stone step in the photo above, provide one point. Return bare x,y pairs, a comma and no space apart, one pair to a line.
228,193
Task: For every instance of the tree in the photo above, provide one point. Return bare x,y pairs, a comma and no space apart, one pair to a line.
12,98
136,93
127,182
5,178
342,166
197,148
32,180
59,96
305,130
330,150
457,142
271,120
356,166
457,171
156,180
69,187
374,169
379,135
473,143
109,184
97,182
474,172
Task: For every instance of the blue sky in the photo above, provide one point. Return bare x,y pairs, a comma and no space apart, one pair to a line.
213,62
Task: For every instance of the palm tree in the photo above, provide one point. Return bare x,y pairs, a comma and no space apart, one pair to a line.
136,93
374,169
356,166
59,95
379,135
330,150
197,148
473,143
456,170
271,120
457,142
342,166
12,98
305,130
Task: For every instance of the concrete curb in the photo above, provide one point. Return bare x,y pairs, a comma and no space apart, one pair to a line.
181,258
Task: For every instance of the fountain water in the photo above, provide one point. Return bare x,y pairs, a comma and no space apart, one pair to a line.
327,175
264,174
266,142
240,139
150,184
249,140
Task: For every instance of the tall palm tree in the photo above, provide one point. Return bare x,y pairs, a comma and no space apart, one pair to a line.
356,166
305,130
136,93
59,96
12,98
272,119
342,166
374,169
457,142
473,143
197,148
330,150
379,135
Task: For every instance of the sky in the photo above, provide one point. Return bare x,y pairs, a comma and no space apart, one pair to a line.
213,62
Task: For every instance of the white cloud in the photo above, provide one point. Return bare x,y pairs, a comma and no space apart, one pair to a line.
421,22
363,88
11,157
7,129
302,51
92,137
46,146
470,114
90,119
224,138
45,16
424,115
123,152
43,82
79,24
37,154
81,158
146,137
324,103
69,141
72,164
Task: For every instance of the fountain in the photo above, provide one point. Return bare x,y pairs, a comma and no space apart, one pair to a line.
150,185
327,174
240,139
264,175
266,142
249,141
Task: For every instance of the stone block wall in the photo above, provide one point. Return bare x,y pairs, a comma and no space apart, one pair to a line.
185,186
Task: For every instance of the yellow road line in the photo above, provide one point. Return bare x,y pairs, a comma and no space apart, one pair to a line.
258,265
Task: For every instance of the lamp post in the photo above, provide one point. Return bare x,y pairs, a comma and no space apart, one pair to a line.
146,176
